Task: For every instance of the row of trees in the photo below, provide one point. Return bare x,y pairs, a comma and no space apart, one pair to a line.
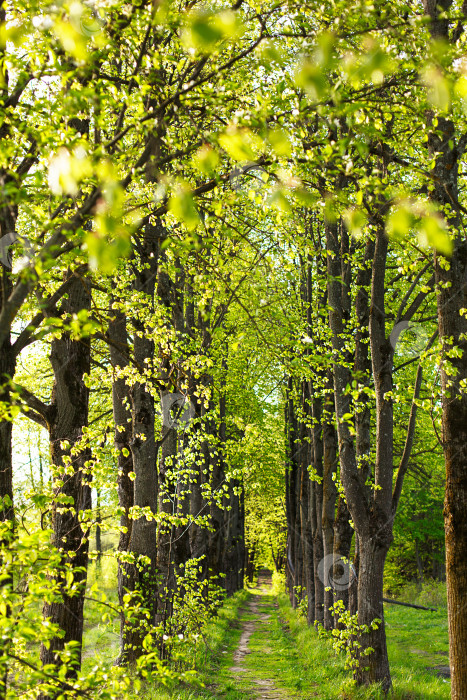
114,312
354,409
223,211
321,517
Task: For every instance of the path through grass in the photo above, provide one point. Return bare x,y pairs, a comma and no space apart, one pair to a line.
267,652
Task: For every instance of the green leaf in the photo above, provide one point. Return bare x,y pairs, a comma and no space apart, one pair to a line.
241,144
355,220
280,142
206,160
278,200
73,41
104,255
270,53
433,232
183,208
399,222
311,78
438,88
205,30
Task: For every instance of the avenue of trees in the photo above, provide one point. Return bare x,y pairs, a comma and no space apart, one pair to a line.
233,322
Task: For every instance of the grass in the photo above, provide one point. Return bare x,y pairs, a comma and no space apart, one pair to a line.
432,594
416,640
285,652
101,624
213,659
275,655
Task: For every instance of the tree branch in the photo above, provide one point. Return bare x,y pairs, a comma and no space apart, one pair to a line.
404,463
25,338
40,412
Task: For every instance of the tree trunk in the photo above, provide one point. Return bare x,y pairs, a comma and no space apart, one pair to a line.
122,441
329,504
198,502
292,495
451,281
221,536
353,579
68,415
167,511
374,667
342,570
98,529
233,562
289,566
308,571
139,574
241,539
7,371
373,523
316,510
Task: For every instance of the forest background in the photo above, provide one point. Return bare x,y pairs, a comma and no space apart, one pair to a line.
232,325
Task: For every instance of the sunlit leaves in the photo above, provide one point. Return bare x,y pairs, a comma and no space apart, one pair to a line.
270,54
460,86
66,170
13,33
313,72
206,160
433,231
372,64
438,88
422,218
312,79
280,141
182,206
205,30
355,220
72,40
241,143
104,254
109,240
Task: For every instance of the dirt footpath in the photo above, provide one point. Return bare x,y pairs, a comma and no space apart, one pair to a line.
254,619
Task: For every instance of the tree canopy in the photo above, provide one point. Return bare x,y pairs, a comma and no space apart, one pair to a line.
232,323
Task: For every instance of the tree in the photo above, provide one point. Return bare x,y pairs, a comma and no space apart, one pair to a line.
446,144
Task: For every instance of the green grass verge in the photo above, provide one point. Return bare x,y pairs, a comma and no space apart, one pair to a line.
288,655
212,660
416,640
101,623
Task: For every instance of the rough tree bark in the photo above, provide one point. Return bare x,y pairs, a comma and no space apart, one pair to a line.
307,451
168,467
66,417
122,438
139,575
447,147
343,532
291,469
305,494
362,374
373,524
167,505
316,508
372,514
329,502
7,371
